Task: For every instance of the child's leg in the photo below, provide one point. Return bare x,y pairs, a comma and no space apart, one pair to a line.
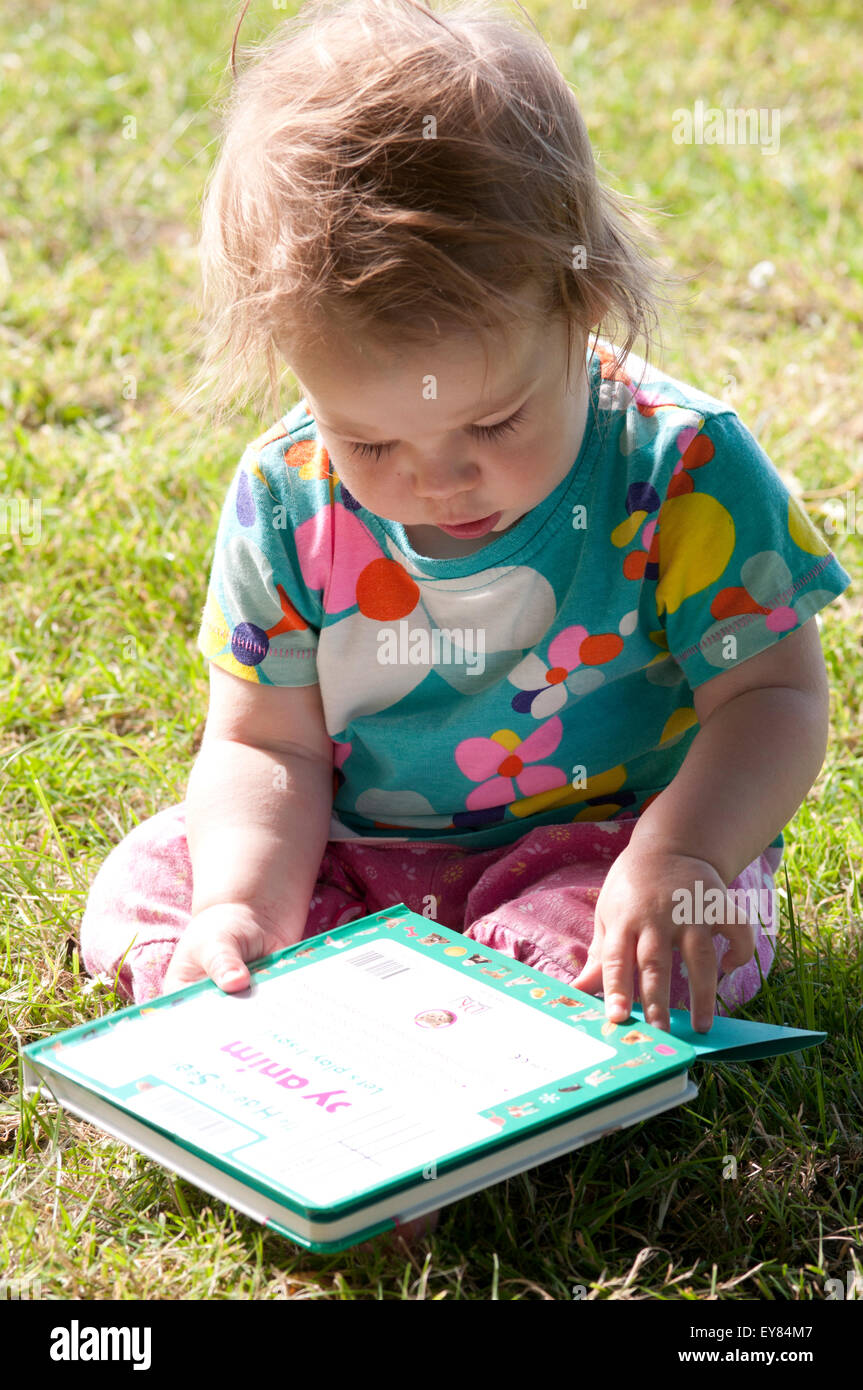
431,879
537,904
140,904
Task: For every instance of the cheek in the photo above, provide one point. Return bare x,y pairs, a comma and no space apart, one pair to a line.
522,465
352,482
353,471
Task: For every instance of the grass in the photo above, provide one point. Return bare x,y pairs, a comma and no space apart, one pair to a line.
104,695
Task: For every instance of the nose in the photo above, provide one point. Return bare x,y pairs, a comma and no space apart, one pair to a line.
442,481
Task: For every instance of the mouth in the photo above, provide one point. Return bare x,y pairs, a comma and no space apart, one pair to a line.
470,529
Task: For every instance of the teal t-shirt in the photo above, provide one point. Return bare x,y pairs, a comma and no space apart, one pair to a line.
547,677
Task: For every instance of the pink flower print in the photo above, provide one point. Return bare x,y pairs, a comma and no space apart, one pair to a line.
502,764
757,607
573,659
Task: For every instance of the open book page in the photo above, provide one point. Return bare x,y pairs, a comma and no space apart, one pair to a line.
330,1078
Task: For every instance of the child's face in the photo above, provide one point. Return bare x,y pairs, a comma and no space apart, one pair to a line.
427,408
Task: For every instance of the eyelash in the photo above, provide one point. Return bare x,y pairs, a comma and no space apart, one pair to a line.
485,431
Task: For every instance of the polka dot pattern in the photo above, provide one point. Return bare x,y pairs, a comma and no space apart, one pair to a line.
548,677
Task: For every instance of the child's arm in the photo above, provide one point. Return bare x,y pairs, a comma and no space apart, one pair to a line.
258,804
763,736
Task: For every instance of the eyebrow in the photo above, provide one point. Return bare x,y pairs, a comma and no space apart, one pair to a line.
492,410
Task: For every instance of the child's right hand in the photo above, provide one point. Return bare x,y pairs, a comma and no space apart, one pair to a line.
217,943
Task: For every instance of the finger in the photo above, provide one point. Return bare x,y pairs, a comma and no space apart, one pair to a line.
654,977
590,978
618,963
223,963
178,976
741,935
699,953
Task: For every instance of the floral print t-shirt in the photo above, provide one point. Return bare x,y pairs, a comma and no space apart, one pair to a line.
547,677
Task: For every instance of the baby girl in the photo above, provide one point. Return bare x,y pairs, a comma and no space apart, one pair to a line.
503,623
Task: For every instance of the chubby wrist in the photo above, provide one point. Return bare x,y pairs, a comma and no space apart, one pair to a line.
647,844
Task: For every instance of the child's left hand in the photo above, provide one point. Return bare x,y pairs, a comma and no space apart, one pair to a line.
634,927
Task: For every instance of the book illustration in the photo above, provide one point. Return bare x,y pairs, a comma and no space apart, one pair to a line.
478,960
634,1037
435,1018
609,1028
389,922
455,951
435,939
597,1077
664,1050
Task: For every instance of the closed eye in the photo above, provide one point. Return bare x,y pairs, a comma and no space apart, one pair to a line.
482,431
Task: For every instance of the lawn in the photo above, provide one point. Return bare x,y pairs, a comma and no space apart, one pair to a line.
108,136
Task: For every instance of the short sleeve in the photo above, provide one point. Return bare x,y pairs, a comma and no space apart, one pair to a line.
260,621
739,563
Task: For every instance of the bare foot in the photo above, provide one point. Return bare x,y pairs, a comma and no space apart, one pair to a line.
421,1227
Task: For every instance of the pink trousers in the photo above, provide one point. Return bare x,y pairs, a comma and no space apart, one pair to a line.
533,900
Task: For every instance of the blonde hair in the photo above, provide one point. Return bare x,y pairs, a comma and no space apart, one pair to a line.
387,170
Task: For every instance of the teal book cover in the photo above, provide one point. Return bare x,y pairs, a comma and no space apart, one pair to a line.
358,1061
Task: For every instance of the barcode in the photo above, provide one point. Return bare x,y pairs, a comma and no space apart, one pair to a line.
191,1119
377,964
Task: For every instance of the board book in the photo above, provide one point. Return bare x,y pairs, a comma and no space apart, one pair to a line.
374,1073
